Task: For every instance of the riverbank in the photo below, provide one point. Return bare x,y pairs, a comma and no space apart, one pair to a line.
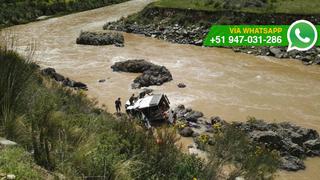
293,143
187,26
20,12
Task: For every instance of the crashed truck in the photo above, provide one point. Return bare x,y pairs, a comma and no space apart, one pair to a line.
150,108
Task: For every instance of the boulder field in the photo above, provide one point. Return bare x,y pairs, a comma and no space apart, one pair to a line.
293,143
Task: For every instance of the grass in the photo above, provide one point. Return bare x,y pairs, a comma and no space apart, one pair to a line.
16,161
273,6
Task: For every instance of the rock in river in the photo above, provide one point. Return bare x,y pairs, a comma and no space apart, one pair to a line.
291,163
152,74
101,38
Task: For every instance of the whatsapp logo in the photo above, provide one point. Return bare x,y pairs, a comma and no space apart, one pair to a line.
302,36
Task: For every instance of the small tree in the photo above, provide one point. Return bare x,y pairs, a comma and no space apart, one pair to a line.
231,147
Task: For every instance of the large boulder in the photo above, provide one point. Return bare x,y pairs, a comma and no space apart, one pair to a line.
152,74
217,119
133,66
180,111
291,163
308,134
74,84
193,116
186,132
313,147
288,147
100,38
266,137
48,71
156,75
276,52
51,72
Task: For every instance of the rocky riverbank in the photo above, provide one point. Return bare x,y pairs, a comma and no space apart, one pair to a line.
152,74
293,143
51,72
191,27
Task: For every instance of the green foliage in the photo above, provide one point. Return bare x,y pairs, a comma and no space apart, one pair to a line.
231,146
271,6
21,11
14,77
16,161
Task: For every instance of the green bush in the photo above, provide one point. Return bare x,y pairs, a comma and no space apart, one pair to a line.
15,74
16,161
232,146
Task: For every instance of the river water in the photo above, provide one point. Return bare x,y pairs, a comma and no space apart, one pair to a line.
219,81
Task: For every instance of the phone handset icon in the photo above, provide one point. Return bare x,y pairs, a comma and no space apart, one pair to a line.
304,40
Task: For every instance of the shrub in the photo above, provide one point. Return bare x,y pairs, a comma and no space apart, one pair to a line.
14,78
248,160
16,161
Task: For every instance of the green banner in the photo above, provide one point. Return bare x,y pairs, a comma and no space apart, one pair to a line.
249,35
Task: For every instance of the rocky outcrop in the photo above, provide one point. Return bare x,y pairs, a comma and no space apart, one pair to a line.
101,38
51,72
293,143
309,57
291,163
152,74
167,24
174,33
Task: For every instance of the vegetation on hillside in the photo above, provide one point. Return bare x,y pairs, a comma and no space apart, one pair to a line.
255,6
67,133
18,162
22,11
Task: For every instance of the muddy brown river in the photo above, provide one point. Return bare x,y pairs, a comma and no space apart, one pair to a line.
219,81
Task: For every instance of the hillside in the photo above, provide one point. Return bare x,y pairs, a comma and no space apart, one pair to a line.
21,11
253,6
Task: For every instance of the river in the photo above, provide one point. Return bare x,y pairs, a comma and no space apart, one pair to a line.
219,81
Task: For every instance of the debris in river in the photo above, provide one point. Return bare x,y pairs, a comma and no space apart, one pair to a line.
102,80
181,85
